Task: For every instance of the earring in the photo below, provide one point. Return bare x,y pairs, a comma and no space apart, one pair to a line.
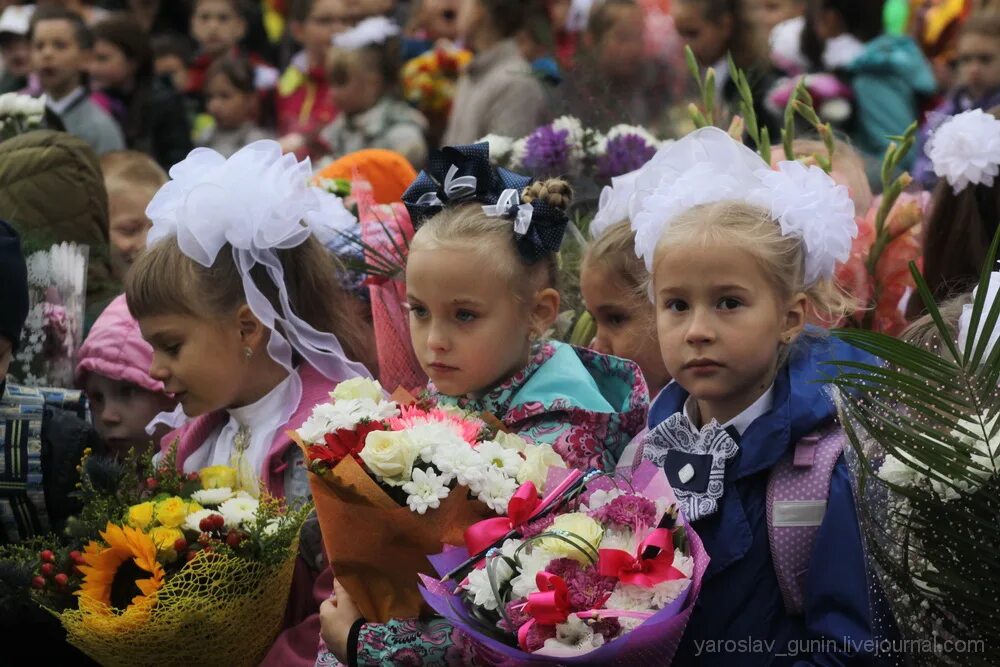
247,352
532,336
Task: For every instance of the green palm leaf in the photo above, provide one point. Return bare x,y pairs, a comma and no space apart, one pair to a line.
925,430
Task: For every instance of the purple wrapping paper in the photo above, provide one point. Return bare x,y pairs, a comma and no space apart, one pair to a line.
652,643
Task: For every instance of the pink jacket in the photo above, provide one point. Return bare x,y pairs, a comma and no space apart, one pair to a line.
115,349
315,389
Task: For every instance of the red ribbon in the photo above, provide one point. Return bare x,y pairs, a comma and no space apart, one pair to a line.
549,606
521,508
639,571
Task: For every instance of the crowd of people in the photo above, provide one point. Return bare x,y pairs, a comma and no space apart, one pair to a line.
214,155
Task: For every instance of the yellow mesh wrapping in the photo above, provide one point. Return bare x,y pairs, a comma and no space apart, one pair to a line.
218,610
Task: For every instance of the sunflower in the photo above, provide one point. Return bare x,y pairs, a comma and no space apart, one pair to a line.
112,573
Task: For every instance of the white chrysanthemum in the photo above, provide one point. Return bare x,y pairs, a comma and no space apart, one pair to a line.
630,598
496,489
462,462
573,638
575,135
343,414
481,588
193,520
809,204
624,130
500,147
425,490
430,437
667,591
507,461
237,511
212,496
966,149
532,563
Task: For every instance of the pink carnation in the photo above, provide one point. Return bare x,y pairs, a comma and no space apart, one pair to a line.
588,589
627,511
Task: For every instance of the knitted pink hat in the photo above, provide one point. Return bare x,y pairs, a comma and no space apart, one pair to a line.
115,349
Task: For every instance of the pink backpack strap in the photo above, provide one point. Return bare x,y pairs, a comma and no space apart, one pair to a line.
797,492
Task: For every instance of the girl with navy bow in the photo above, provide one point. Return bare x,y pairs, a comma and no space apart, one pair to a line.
741,257
481,280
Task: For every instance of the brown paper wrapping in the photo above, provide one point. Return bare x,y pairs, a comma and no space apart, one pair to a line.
377,548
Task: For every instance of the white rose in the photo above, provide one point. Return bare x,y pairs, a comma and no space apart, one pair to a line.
537,461
358,388
212,496
511,441
390,455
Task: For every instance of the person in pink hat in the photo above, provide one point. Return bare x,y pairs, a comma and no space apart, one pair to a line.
113,371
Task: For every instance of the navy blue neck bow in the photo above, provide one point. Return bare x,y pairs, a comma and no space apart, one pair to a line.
463,174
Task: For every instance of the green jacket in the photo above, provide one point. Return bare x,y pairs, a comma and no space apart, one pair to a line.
51,190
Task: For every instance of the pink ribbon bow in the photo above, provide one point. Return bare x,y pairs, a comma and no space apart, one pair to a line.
521,507
639,571
549,606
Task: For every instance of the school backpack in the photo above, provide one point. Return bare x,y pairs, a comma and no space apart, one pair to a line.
797,492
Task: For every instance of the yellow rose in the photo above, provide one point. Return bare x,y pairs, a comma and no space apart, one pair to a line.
358,388
537,461
171,512
140,516
390,455
164,539
578,528
216,477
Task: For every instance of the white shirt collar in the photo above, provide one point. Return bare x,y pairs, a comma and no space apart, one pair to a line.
266,409
740,422
60,106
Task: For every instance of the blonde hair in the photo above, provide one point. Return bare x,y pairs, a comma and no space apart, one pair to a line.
923,332
615,251
780,257
131,169
165,281
493,238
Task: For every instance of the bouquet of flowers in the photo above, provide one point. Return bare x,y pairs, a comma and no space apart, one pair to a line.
181,569
833,99
19,114
612,580
429,79
394,480
923,424
53,331
625,148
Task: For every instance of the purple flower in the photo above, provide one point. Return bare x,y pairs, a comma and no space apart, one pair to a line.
516,614
536,636
588,589
537,526
624,153
609,627
548,151
627,511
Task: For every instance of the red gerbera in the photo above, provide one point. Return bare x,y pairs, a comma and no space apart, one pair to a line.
342,443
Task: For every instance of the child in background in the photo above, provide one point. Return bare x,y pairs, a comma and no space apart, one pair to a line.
304,105
113,371
60,45
732,288
717,28
171,59
613,81
364,69
131,179
218,26
614,285
247,351
15,48
90,14
888,73
485,95
149,110
474,284
231,101
977,68
965,211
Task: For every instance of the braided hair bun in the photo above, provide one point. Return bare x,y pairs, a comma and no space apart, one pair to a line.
555,192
